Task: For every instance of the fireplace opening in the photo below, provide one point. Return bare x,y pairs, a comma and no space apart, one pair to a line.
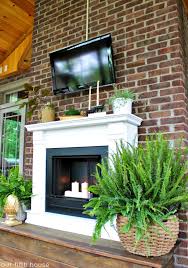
70,171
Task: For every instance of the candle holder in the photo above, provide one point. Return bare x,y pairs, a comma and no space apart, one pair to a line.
96,111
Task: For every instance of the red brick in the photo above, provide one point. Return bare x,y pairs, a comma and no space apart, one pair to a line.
147,81
172,120
159,72
170,77
136,63
157,59
160,114
146,68
149,123
158,129
136,76
159,86
135,51
182,261
182,252
160,100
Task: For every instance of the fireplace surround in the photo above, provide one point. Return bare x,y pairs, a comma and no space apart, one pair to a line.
104,131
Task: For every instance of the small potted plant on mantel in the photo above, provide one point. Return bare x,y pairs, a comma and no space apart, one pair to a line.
121,101
47,112
144,187
72,113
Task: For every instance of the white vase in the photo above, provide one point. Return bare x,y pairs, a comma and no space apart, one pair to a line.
122,106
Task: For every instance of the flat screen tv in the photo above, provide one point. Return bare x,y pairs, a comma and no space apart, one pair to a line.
79,66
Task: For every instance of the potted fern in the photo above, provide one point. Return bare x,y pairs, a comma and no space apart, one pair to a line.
122,101
143,187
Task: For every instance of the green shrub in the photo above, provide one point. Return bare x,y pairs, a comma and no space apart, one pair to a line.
14,184
146,184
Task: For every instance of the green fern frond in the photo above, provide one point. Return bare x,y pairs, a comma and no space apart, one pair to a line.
146,184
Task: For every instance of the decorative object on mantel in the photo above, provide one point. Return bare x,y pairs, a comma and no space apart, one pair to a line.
72,113
17,186
96,111
11,208
122,101
47,112
144,187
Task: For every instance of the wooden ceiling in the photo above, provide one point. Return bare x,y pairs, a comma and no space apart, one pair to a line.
16,23
186,5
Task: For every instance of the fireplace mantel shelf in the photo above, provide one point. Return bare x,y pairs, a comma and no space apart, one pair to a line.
86,122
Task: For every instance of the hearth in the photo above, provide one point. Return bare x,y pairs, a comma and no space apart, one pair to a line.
69,173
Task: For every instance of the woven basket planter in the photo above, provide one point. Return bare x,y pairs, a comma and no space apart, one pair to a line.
159,242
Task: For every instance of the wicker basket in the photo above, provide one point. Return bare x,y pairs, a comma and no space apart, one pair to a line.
159,242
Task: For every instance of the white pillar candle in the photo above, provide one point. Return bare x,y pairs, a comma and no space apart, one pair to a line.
98,93
84,187
75,187
89,106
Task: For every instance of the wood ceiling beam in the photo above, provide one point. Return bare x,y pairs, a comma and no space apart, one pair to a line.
25,60
16,44
186,5
18,60
25,5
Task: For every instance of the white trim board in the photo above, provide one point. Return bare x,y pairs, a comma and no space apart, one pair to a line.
14,86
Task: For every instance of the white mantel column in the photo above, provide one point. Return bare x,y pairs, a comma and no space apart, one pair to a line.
39,174
121,131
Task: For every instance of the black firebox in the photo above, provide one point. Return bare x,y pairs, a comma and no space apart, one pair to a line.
69,170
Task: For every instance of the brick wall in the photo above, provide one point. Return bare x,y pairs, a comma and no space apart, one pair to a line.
150,50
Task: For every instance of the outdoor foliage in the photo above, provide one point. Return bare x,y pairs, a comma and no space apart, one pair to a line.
11,140
37,97
145,184
14,184
72,111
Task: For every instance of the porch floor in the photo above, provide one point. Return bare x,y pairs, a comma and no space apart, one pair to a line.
27,245
6,264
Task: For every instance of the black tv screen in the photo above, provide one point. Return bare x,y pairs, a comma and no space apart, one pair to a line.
80,66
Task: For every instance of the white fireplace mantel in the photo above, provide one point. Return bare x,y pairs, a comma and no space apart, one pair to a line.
84,132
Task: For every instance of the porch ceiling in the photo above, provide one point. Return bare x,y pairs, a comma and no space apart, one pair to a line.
16,22
186,5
